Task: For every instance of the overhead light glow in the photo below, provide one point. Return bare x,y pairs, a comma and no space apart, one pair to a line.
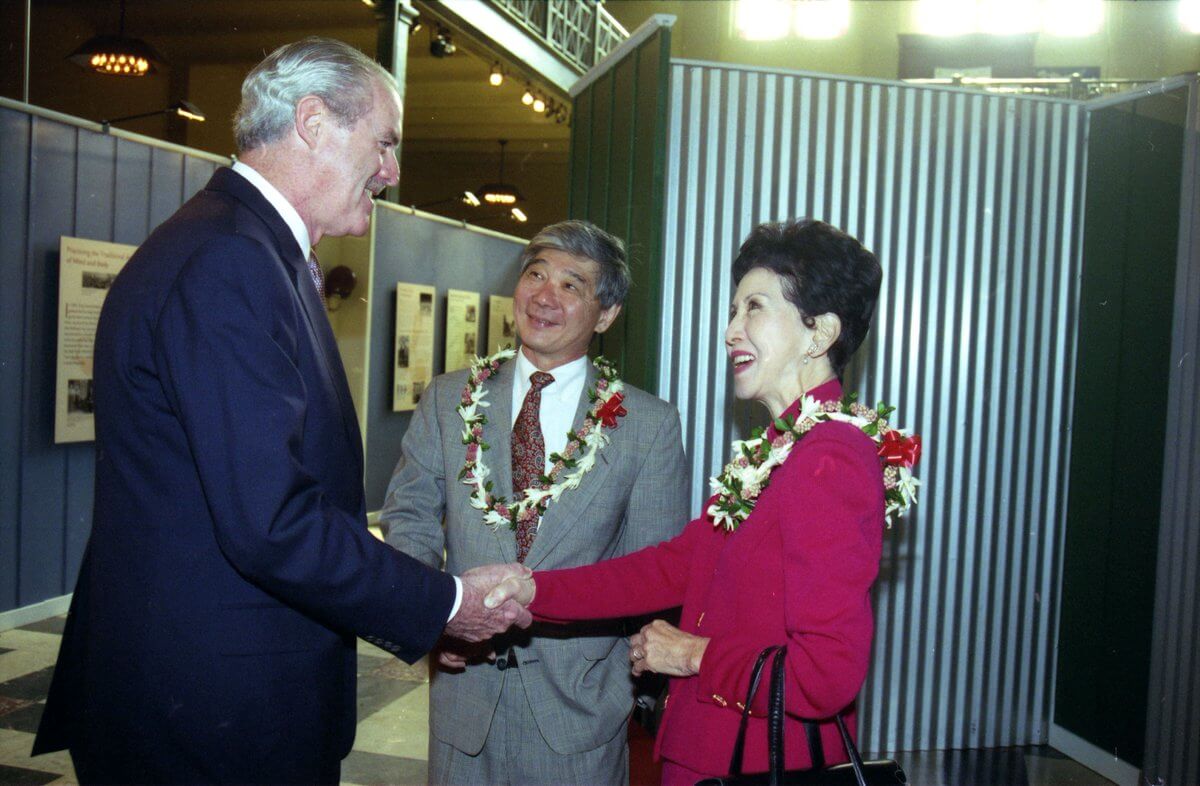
527,98
469,199
539,105
1072,18
945,17
763,20
496,77
1008,17
519,215
1189,15
821,19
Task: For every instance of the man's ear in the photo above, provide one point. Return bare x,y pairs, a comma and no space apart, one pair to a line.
606,317
827,331
311,112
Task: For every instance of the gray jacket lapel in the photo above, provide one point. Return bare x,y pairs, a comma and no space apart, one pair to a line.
571,505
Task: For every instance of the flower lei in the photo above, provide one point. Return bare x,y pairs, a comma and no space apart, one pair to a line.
579,456
748,472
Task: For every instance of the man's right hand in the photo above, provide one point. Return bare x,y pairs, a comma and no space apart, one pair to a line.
475,621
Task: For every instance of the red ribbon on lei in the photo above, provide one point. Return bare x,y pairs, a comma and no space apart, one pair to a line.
897,450
611,410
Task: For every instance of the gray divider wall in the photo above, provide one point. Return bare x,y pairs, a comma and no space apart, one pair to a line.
59,178
421,251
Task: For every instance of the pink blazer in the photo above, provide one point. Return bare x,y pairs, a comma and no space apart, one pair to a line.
798,572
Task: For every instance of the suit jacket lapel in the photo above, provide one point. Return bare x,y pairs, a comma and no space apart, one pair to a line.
569,507
296,261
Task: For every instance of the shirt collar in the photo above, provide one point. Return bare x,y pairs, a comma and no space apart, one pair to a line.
564,375
279,202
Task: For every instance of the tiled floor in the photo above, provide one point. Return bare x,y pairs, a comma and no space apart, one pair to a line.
390,747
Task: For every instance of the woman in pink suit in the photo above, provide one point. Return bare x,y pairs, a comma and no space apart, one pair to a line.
797,570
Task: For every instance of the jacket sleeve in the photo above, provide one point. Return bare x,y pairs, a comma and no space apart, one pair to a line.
229,340
648,580
412,512
831,529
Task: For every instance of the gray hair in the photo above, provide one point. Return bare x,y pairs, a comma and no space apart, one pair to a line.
585,239
337,73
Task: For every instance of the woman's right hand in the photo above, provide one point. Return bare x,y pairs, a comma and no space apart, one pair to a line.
518,588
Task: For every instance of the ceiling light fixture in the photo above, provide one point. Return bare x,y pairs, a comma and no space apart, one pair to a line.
117,55
500,192
527,97
539,104
441,45
1072,18
469,199
763,20
496,77
821,19
945,17
518,215
1189,15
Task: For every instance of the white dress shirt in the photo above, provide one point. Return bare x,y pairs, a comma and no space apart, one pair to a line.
560,399
300,231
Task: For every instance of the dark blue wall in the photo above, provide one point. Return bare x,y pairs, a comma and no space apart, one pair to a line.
58,179
420,251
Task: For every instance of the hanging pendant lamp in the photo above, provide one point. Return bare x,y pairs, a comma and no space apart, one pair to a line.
117,55
500,192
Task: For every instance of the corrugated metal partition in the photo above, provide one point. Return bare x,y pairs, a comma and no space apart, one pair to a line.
1173,721
618,135
59,177
971,202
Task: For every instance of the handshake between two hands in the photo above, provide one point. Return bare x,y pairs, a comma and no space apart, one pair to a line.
494,599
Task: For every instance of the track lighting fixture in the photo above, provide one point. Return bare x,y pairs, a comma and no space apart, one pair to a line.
441,45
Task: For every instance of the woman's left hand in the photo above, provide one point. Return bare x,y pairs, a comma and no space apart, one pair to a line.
665,649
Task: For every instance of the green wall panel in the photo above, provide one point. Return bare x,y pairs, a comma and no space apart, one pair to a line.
1130,242
618,138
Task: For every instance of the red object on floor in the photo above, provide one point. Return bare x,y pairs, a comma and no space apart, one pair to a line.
643,769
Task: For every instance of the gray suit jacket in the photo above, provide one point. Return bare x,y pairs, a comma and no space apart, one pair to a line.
577,680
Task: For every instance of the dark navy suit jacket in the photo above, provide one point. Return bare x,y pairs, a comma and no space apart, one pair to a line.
212,633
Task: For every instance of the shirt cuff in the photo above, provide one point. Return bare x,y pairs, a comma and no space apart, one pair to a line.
457,597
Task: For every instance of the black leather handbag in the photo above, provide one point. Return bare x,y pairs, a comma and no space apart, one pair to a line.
882,772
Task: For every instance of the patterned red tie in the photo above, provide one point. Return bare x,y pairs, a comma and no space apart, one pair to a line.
529,454
314,270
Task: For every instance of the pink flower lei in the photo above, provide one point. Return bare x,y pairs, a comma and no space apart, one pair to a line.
569,467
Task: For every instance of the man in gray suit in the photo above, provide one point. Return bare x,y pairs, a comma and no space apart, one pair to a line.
551,706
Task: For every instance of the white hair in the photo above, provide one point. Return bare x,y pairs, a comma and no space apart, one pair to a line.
337,73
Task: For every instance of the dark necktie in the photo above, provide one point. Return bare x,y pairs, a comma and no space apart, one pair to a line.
529,454
314,270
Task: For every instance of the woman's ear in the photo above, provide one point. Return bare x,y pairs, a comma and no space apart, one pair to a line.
826,333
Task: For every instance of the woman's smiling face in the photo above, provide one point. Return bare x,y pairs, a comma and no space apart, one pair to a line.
767,342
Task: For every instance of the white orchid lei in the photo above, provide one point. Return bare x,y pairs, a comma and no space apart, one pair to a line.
576,459
738,487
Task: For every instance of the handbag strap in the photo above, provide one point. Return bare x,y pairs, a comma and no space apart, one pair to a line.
852,752
739,744
775,718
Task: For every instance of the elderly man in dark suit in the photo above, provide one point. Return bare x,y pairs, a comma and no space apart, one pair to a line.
607,461
212,632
